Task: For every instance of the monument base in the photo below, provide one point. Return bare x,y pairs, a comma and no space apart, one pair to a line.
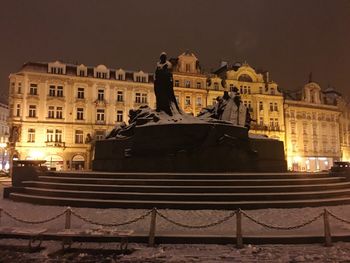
193,147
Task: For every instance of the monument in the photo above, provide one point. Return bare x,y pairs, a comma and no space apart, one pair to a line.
166,139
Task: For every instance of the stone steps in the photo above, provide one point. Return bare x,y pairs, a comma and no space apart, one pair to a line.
215,197
144,204
187,189
191,182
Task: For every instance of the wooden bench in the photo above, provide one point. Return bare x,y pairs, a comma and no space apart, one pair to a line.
34,235
68,235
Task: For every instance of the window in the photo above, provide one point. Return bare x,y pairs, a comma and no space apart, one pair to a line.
120,96
80,114
188,67
120,77
100,135
100,95
249,90
272,91
276,123
119,116
101,75
33,89
79,136
56,70
49,135
187,84
51,112
59,112
140,97
59,91
198,85
245,90
271,106
58,135
19,88
80,94
260,90
216,85
141,79
143,97
31,135
261,105
32,111
261,121
275,107
187,100
18,110
199,101
81,73
100,116
177,83
271,122
52,91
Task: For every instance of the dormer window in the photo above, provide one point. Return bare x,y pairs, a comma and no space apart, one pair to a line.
101,72
82,70
120,74
57,68
140,77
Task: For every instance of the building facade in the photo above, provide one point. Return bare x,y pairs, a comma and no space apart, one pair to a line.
312,130
59,110
4,134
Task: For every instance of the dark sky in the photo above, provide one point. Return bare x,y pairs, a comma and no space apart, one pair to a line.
287,37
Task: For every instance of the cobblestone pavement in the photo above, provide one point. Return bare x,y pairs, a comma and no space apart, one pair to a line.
340,252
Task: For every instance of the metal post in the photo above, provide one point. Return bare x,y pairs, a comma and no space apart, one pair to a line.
68,217
327,229
152,228
239,238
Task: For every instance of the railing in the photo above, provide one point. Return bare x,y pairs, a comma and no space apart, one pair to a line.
55,144
153,213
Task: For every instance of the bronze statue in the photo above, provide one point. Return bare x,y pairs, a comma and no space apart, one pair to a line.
163,87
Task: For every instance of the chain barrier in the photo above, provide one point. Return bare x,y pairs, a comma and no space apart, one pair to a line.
338,218
87,220
220,221
282,227
33,222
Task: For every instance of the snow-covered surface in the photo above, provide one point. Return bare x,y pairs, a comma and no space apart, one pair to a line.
340,252
279,217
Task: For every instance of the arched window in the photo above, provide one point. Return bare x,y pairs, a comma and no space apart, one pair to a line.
245,78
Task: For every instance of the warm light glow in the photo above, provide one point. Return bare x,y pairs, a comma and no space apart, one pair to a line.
296,159
3,145
36,155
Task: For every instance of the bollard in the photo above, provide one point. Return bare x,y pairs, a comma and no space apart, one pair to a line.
327,229
152,228
239,238
68,217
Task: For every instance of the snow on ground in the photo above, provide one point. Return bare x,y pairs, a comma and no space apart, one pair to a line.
279,217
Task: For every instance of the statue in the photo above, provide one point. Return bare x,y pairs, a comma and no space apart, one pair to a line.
163,87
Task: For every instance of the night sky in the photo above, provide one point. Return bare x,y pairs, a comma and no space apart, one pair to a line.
288,38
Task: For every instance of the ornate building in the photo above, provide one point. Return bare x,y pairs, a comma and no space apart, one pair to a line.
4,134
312,129
259,94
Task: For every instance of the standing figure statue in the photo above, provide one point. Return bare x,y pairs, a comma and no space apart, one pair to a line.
163,87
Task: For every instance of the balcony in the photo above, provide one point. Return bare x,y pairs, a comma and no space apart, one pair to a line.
100,103
100,122
60,98
56,144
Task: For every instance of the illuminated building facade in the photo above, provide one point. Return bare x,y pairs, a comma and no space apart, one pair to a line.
312,129
4,134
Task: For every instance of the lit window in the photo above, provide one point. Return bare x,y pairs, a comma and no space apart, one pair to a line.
79,136
51,112
187,100
52,91
80,94
31,135
33,89
119,116
120,96
80,114
100,94
59,91
59,112
32,111
100,115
